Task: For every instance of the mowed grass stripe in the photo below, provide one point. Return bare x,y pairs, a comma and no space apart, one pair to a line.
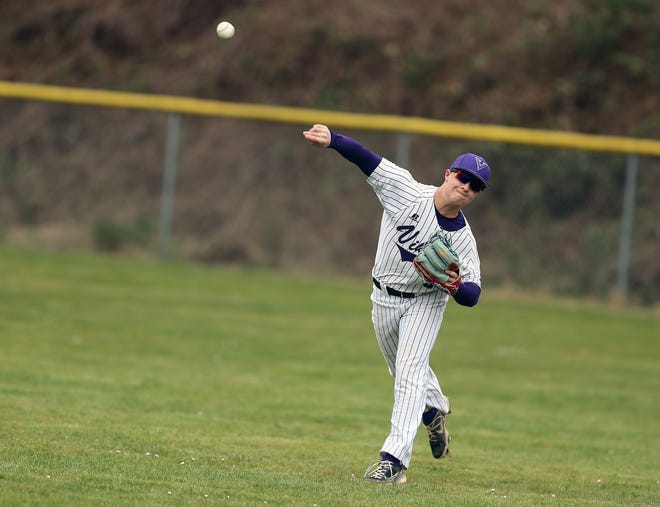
128,382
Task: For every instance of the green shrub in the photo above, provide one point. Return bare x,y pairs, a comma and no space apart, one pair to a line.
110,236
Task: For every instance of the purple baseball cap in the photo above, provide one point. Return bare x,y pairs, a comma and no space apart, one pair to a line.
474,165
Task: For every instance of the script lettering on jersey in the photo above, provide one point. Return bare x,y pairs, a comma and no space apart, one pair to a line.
407,242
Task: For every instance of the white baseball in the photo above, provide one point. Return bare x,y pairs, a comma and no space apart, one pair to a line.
225,30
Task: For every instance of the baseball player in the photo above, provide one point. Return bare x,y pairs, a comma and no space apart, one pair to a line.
407,308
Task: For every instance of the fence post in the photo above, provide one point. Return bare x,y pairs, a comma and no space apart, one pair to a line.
169,183
403,149
625,240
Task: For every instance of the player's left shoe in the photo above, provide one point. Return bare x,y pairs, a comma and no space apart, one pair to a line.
438,435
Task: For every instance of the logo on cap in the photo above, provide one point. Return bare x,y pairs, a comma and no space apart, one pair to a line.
481,163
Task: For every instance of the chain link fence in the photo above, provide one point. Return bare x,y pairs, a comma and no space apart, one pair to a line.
252,192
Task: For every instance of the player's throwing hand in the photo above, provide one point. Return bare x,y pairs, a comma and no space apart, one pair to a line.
318,135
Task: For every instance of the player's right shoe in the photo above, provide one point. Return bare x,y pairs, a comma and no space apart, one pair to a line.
438,435
385,472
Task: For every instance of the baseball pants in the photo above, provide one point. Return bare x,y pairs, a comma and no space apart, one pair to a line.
406,330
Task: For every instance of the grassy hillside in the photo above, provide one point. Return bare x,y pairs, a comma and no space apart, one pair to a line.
254,193
131,382
557,64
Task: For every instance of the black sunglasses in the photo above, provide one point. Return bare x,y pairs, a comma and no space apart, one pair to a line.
465,177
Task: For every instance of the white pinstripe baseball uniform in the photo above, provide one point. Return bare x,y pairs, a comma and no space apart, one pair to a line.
407,328
407,309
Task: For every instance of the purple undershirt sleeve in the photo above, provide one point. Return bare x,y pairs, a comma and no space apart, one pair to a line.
354,152
468,294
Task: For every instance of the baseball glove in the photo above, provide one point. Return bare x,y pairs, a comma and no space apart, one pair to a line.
434,258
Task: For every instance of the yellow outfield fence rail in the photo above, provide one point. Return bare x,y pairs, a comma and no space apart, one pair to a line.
413,125
176,106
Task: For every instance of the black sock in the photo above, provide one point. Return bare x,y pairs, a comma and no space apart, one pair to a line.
388,457
429,415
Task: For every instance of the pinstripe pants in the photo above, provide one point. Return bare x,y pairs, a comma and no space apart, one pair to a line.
406,330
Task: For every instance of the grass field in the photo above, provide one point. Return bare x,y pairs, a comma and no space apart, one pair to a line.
131,382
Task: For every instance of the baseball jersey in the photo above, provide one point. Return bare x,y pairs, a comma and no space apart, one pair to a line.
409,218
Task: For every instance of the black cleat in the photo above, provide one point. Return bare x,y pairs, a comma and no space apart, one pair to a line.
438,435
385,472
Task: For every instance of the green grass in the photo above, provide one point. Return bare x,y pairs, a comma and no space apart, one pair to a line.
128,382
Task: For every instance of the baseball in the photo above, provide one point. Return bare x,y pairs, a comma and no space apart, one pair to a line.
225,30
